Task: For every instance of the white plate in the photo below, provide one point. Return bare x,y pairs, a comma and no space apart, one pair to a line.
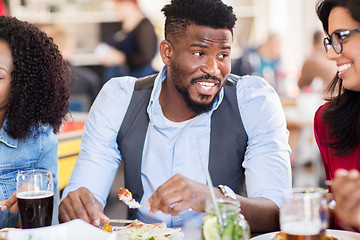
341,235
174,236
116,235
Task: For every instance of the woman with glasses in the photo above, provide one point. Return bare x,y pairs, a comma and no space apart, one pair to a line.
337,122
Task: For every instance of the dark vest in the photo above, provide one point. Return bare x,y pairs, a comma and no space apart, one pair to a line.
228,139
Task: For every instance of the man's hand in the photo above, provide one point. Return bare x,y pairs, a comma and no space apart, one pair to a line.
10,203
81,204
179,194
346,191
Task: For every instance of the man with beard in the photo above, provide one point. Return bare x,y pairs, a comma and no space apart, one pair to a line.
160,125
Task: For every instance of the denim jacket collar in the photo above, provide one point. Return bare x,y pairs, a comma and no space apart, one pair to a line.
6,139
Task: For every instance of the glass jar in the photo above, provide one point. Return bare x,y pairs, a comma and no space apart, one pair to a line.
304,213
233,227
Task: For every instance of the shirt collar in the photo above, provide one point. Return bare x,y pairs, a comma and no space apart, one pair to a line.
5,138
154,99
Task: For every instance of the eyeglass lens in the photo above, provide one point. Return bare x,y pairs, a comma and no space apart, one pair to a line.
335,41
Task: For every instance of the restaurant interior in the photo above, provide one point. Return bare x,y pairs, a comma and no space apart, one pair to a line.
92,22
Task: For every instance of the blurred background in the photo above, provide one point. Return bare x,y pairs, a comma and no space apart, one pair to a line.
94,21
273,39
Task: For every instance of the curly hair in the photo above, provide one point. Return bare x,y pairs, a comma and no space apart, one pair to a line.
39,81
210,13
343,113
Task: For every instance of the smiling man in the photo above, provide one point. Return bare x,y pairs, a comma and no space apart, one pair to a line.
159,125
199,65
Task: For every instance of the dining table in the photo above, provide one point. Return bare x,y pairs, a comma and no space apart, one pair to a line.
79,230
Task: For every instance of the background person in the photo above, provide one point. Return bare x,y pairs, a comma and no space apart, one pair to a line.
34,96
317,71
85,83
263,61
191,106
3,8
337,122
133,47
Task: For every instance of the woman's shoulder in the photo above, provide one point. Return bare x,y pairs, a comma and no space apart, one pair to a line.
40,135
46,129
319,123
319,113
44,134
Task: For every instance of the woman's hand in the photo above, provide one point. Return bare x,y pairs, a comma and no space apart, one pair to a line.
346,190
10,203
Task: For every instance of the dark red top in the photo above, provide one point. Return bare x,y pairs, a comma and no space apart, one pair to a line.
331,162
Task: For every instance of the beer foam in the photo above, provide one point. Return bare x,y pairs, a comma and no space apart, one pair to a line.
34,194
302,228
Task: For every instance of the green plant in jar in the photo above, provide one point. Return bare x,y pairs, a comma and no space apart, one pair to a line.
233,227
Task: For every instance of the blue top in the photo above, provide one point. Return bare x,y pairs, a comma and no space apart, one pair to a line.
173,147
25,154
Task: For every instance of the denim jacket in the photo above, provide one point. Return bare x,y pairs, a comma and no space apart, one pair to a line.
24,154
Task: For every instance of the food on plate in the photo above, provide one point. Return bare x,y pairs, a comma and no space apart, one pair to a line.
282,236
126,196
4,232
279,236
107,227
142,231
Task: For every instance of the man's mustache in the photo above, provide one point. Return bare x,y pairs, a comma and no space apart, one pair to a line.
205,77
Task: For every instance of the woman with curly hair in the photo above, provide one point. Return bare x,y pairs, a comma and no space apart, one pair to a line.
34,82
337,122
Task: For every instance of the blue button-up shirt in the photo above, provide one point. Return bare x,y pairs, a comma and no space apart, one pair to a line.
173,147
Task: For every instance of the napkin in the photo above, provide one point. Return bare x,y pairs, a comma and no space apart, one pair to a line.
73,230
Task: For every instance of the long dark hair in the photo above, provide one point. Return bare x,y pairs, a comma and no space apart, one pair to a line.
39,82
343,113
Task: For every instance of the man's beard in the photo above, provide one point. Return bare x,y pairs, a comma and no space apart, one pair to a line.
196,107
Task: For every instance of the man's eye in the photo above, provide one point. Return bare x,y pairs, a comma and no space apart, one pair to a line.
199,54
223,55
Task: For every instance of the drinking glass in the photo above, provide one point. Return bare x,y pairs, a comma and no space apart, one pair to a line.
304,215
233,227
35,197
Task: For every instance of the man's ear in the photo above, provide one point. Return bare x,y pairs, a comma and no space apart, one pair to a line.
166,50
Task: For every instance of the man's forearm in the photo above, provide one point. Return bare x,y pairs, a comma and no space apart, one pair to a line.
262,214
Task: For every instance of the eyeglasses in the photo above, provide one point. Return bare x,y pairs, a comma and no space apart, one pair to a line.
336,40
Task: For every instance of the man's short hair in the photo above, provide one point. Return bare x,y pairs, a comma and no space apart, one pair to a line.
210,13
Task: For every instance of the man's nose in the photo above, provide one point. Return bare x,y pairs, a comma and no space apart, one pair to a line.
211,67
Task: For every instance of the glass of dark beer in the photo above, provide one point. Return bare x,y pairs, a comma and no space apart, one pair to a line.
35,197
